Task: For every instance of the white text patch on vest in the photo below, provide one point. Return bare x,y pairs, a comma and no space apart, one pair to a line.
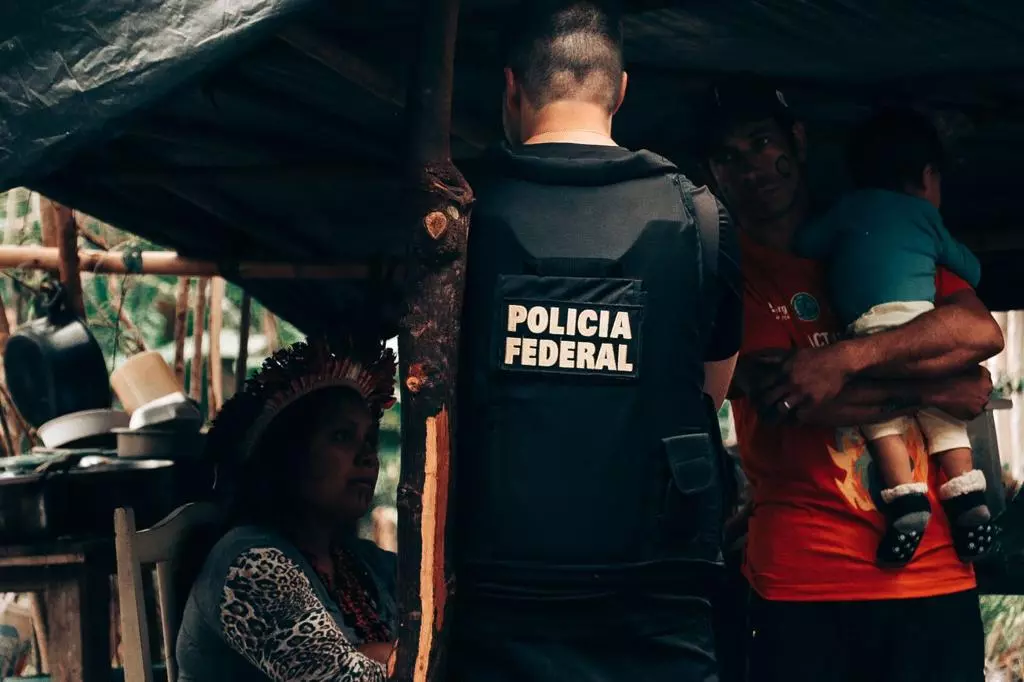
570,337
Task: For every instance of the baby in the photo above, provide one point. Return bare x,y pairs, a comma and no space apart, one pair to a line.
883,243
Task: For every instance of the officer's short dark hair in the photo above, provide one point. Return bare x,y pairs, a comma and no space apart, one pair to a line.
891,149
565,50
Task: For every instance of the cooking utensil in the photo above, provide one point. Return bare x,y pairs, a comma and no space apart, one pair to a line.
78,426
172,411
143,378
159,443
63,497
54,366
23,463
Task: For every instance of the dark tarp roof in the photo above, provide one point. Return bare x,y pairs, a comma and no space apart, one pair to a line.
259,128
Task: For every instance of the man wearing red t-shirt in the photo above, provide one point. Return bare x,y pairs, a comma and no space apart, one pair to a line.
823,610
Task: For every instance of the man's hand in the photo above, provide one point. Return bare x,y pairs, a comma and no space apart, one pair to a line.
964,396
804,381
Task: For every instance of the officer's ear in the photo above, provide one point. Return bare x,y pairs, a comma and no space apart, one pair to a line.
622,93
512,95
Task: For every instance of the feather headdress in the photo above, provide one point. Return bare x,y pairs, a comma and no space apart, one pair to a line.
292,373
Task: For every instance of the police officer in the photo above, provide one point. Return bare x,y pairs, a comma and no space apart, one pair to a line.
600,333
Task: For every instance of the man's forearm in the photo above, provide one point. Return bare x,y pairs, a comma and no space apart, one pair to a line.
867,401
947,340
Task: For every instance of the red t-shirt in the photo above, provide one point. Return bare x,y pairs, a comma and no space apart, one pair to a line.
815,526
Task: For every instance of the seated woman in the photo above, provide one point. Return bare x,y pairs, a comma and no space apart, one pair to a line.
290,592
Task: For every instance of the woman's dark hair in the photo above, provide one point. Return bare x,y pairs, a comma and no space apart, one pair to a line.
892,149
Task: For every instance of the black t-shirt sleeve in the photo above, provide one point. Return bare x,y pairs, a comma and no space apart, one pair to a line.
727,327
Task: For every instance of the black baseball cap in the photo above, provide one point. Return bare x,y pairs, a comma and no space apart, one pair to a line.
728,105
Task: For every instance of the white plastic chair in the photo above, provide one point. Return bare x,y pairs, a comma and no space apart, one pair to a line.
157,546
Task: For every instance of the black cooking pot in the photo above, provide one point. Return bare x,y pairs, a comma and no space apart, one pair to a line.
71,496
54,366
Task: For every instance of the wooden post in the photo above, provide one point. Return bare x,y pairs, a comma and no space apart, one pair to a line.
196,384
216,371
241,366
428,352
61,230
181,329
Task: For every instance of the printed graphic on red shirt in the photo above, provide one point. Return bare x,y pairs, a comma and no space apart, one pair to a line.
859,482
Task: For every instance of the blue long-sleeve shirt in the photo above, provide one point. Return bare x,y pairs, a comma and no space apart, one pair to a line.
883,247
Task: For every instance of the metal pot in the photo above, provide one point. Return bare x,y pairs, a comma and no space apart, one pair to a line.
159,443
76,496
54,366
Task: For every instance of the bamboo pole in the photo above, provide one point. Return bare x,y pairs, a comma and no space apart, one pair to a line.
5,334
127,326
12,409
48,230
9,449
242,362
12,228
12,231
5,329
170,263
217,288
195,382
181,329
428,354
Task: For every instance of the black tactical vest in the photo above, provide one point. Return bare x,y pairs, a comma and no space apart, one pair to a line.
587,447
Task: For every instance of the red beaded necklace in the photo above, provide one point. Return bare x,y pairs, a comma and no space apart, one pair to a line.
351,587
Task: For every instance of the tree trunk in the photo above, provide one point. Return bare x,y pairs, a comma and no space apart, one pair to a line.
428,353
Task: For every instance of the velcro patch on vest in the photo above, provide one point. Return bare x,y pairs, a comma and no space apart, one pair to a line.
567,337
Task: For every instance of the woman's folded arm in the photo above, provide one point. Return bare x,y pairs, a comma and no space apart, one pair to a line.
270,614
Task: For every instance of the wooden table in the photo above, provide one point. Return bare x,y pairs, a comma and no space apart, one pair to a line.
74,576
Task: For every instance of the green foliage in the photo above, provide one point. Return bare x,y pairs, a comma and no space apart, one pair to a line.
1004,627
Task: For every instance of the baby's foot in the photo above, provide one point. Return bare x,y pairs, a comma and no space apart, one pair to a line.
907,512
963,499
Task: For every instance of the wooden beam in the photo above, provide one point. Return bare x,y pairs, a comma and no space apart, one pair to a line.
170,263
363,74
428,354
